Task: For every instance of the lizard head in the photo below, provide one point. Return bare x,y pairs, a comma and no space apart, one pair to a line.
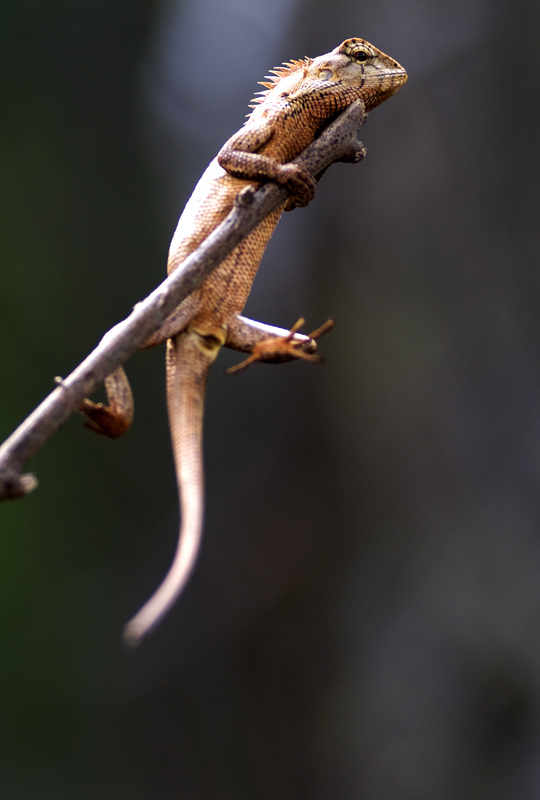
355,69
358,64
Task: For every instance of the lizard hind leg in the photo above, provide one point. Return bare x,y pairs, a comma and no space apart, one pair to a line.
287,347
115,418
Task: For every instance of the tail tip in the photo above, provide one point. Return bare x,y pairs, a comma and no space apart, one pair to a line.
133,635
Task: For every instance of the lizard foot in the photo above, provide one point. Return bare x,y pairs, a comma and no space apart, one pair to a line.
114,419
104,419
284,348
299,183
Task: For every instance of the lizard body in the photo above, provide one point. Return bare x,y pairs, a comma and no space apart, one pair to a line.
300,99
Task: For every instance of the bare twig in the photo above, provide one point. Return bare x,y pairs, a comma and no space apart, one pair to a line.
338,142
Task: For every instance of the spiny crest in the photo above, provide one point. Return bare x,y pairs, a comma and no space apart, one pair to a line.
277,74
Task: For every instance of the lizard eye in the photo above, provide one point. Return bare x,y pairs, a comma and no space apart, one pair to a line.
325,74
362,56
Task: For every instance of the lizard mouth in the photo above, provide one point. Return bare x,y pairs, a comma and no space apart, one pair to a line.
394,78
397,73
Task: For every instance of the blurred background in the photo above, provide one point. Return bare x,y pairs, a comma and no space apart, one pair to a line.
364,621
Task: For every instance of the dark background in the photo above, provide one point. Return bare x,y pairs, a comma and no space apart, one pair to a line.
364,621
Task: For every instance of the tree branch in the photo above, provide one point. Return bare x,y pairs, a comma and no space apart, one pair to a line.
338,142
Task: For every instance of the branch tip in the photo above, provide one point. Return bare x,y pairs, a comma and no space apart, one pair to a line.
13,484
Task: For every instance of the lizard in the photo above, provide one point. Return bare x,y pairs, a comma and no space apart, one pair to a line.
299,99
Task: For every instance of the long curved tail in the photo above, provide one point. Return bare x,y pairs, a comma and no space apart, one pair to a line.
187,369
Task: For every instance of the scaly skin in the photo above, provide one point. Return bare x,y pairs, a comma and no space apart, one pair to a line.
300,99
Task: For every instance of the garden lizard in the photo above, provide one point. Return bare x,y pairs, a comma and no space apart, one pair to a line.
299,100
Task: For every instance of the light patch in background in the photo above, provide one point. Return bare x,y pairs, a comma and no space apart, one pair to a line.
201,70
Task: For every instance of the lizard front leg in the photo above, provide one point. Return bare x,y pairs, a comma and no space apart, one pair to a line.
239,157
